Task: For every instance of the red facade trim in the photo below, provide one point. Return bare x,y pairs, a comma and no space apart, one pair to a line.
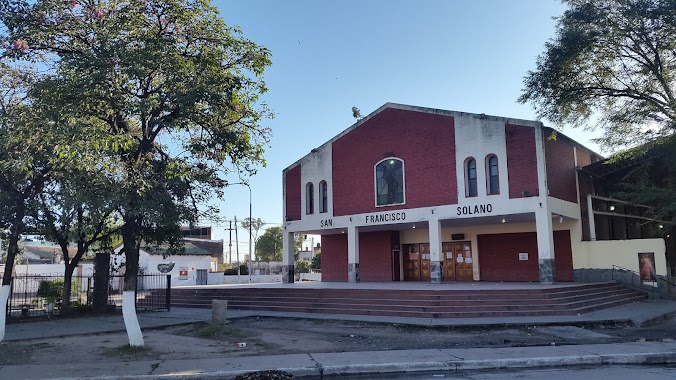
426,144
560,159
293,193
499,257
522,170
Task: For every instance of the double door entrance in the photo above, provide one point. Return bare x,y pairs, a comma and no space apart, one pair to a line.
456,262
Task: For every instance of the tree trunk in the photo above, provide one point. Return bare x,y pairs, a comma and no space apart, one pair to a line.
130,239
67,288
101,282
12,252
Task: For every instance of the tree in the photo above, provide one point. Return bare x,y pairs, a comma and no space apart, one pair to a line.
174,91
613,61
80,209
303,266
25,166
269,245
253,225
317,261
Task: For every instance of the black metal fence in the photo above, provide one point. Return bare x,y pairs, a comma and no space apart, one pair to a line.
41,295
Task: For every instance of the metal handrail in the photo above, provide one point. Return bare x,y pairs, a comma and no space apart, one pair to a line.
652,289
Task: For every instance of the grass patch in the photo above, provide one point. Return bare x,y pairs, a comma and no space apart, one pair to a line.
208,330
13,353
126,351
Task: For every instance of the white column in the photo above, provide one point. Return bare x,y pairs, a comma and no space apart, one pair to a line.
288,261
543,215
435,250
545,237
590,216
352,254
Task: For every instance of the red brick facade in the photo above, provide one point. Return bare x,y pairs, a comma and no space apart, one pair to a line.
293,193
334,257
424,141
375,256
499,257
560,159
521,168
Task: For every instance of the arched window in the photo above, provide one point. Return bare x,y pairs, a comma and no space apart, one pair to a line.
389,182
309,198
470,178
324,197
492,175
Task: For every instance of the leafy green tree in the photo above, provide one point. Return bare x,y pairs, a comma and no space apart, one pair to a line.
612,65
253,225
303,266
80,209
317,261
269,245
613,62
25,165
173,90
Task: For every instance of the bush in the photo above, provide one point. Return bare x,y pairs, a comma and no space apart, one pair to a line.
233,271
303,266
50,290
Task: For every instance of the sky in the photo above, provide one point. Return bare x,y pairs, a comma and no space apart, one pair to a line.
328,56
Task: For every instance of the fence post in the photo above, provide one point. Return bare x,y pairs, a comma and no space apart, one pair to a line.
168,292
89,288
8,307
136,294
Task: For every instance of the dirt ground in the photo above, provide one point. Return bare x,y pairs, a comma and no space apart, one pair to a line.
271,336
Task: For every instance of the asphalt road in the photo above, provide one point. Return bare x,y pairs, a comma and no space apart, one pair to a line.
582,373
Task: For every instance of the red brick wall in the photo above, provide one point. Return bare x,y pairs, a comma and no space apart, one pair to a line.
560,160
375,256
564,256
293,193
499,257
334,257
426,143
585,184
521,160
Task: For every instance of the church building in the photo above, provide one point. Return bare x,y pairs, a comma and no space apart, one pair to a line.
418,194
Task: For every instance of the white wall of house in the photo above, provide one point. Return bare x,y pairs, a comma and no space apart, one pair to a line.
603,254
52,269
191,262
217,278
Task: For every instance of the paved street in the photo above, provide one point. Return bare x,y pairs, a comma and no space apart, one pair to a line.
574,373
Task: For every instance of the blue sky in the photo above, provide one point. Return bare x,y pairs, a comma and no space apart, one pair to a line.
329,56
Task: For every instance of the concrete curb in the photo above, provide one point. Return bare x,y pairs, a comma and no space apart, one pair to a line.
432,366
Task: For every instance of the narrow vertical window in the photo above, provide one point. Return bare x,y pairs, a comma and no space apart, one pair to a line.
470,174
324,194
389,182
309,198
493,178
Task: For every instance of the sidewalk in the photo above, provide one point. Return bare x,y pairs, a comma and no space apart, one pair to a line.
313,365
324,364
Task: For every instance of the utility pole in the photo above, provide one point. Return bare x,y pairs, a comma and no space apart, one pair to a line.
230,244
237,250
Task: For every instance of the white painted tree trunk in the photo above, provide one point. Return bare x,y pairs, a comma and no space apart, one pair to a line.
4,296
130,319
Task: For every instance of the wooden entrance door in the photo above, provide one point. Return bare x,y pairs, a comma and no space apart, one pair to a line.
463,261
448,251
458,261
425,273
411,262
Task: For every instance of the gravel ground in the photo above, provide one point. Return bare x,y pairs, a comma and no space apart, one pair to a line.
270,336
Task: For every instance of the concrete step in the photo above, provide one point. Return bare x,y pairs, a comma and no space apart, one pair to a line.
569,300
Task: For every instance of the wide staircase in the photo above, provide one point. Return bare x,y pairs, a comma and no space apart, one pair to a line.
448,303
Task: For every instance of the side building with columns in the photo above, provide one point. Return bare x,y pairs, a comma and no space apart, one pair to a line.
418,194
